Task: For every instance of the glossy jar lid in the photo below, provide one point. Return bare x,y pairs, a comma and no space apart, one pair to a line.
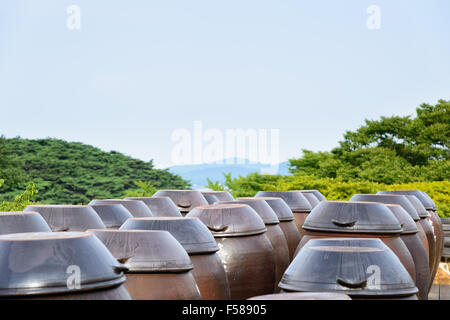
160,206
191,233
44,262
230,220
185,200
20,222
303,296
352,217
418,206
294,199
422,196
135,207
389,199
146,251
68,218
357,267
112,215
315,192
407,223
312,199
260,206
280,208
221,195
211,198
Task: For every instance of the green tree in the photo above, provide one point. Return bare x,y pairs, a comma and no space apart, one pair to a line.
10,166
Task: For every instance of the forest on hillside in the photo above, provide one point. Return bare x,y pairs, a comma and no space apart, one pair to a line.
74,173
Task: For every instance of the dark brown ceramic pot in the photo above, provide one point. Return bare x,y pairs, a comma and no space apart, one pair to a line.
360,268
185,200
199,243
68,218
274,233
296,201
430,206
21,222
160,206
412,241
112,215
406,203
59,265
221,195
353,219
158,266
287,223
135,207
303,296
245,250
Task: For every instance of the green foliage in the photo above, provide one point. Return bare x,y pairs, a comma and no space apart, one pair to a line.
10,166
21,201
145,189
216,186
74,173
390,150
335,189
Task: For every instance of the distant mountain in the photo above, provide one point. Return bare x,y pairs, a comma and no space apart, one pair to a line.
198,173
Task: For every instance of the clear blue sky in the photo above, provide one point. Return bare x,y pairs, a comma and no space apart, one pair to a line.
137,70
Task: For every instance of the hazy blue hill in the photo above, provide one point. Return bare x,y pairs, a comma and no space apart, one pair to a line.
197,174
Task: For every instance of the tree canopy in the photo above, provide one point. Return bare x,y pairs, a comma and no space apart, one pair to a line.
390,150
74,173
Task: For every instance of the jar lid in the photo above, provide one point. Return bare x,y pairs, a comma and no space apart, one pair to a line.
43,262
137,208
112,215
352,217
294,199
230,220
160,206
221,195
185,200
422,196
20,222
191,233
407,223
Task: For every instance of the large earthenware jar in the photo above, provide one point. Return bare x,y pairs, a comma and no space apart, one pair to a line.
158,266
59,265
160,206
316,193
199,243
245,250
430,206
412,241
402,200
20,222
211,198
274,233
312,199
296,201
360,268
68,218
112,215
287,224
358,220
221,195
135,207
185,200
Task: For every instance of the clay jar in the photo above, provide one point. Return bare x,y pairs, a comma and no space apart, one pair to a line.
135,207
357,220
112,215
274,233
287,224
185,200
44,265
158,266
20,222
412,241
360,268
160,206
245,250
296,201
425,225
68,218
199,243
211,198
